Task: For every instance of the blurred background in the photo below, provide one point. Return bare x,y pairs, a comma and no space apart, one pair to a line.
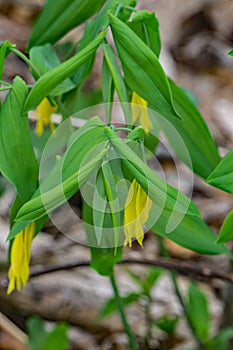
196,37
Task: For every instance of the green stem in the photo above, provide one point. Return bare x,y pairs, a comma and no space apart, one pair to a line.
123,129
2,82
128,331
5,88
166,254
148,322
27,61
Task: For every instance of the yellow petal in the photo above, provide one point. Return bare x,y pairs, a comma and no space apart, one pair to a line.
43,116
140,112
20,258
136,213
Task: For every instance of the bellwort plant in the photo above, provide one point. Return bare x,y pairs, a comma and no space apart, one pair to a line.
122,196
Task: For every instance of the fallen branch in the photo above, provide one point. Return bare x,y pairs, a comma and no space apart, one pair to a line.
195,271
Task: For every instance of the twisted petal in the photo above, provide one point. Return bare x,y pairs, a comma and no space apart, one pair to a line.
20,258
43,116
140,111
136,213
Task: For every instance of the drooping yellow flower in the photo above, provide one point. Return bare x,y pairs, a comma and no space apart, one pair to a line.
43,116
136,213
20,258
140,112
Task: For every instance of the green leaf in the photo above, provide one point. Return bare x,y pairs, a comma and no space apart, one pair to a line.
17,159
41,339
107,91
146,26
221,341
199,146
36,333
142,70
159,192
70,172
198,311
99,206
167,324
53,78
44,58
188,231
117,80
4,51
57,338
104,256
60,17
230,53
151,278
92,28
226,231
222,175
111,305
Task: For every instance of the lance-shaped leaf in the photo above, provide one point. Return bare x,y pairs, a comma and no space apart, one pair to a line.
198,311
17,159
92,28
226,231
85,152
194,132
59,17
222,176
189,231
44,58
107,91
159,192
50,80
117,80
4,51
146,26
143,72
104,256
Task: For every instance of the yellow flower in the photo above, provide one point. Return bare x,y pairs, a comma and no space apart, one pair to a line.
43,116
140,112
20,258
136,213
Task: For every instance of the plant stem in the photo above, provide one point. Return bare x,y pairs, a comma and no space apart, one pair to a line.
128,331
148,322
27,61
166,254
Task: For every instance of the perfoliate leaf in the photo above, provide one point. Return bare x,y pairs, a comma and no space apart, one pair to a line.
104,255
146,26
44,58
70,172
53,78
188,231
4,51
142,70
59,17
92,28
222,175
194,132
226,231
159,192
17,159
198,311
117,80
107,90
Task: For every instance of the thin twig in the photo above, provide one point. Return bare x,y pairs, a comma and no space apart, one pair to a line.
198,272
